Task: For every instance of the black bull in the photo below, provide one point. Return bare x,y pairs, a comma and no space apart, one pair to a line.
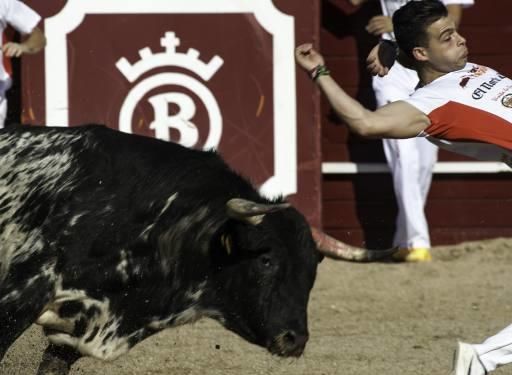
108,238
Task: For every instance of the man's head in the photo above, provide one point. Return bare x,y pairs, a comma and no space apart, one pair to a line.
424,33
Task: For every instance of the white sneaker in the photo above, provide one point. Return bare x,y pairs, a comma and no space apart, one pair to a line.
466,362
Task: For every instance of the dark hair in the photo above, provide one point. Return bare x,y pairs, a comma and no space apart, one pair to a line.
411,21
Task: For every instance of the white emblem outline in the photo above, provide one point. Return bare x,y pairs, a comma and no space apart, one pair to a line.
170,57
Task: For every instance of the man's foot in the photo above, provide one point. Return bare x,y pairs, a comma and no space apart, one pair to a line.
466,362
413,255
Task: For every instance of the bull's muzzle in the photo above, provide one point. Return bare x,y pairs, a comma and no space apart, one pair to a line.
288,344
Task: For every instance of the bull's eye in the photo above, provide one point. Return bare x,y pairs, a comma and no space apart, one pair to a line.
266,261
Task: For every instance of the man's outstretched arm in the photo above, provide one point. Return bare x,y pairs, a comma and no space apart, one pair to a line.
395,120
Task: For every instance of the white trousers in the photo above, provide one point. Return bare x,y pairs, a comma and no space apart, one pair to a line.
411,162
3,111
5,84
496,351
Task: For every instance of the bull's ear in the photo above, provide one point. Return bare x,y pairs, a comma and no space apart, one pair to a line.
251,212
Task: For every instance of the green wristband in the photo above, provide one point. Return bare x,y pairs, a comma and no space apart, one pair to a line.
319,70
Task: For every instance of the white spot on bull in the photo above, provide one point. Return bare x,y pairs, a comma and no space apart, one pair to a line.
122,266
64,295
74,219
39,168
50,319
46,272
12,296
197,223
146,231
137,269
188,315
100,339
18,245
109,350
194,295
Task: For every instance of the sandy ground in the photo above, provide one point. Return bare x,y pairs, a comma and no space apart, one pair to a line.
385,319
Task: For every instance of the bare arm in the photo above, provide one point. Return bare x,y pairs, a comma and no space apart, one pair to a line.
32,43
395,120
379,25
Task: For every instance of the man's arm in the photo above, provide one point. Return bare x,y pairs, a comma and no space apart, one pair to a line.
395,120
32,43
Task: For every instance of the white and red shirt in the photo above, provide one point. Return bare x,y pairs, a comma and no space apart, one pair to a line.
472,105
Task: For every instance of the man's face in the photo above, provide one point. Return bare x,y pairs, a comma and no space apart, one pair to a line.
446,48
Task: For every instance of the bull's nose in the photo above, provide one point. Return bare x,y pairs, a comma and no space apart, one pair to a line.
291,344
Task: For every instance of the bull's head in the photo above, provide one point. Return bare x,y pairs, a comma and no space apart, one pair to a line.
265,264
249,265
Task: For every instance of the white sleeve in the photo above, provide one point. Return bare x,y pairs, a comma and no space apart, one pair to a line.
21,17
464,3
426,100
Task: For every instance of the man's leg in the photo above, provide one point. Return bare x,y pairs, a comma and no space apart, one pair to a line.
428,159
3,111
409,179
480,359
466,361
496,351
406,163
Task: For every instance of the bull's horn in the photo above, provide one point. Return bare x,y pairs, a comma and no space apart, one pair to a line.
251,212
333,248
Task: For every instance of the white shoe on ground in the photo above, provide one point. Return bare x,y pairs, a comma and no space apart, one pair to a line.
466,361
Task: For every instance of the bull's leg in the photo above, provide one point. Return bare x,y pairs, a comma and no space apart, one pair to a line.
19,308
57,360
3,348
15,318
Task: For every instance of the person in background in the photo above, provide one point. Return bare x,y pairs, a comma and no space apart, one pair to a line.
24,20
411,161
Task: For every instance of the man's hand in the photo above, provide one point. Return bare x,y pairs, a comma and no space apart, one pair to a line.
381,58
379,25
12,49
32,43
307,57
